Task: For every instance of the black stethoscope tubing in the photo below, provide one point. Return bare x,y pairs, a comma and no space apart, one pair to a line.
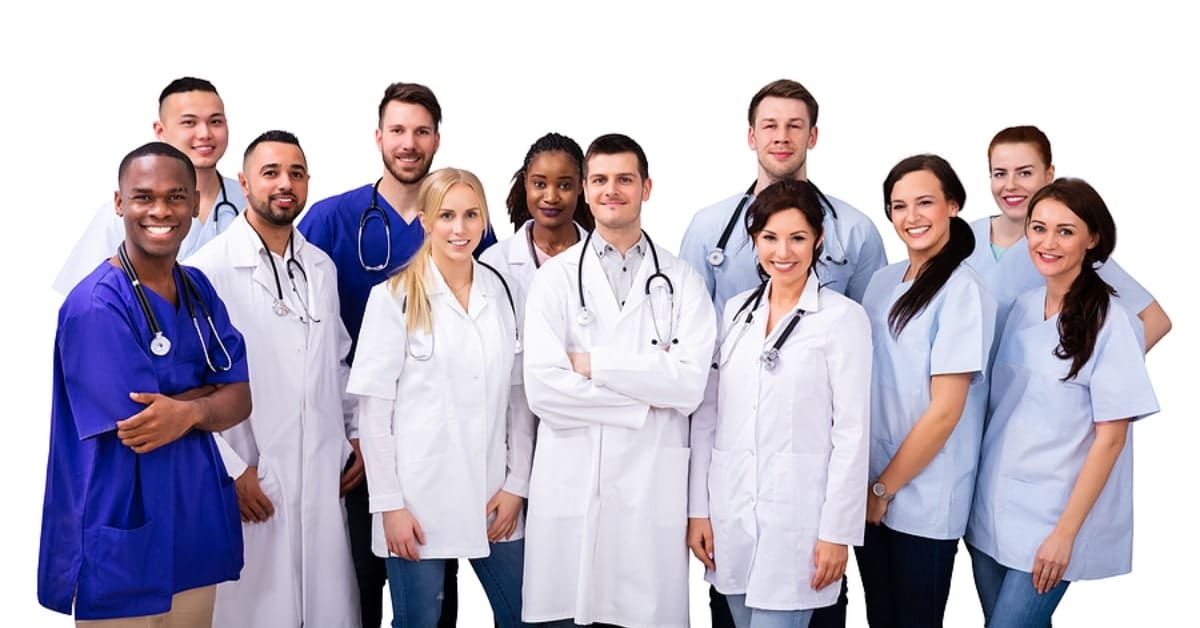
716,256
375,210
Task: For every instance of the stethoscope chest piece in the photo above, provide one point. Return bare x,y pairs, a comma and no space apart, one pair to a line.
770,358
280,308
584,318
160,345
716,257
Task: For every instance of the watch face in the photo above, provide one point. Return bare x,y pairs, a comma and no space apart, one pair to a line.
878,489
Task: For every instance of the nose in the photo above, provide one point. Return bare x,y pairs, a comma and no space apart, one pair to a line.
203,130
550,194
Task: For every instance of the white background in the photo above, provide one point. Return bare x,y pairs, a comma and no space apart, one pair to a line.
1109,86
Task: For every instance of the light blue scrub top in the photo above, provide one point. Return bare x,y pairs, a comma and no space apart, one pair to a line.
106,231
1039,432
853,251
1014,274
122,532
953,334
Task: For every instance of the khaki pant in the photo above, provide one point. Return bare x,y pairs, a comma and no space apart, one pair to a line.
189,609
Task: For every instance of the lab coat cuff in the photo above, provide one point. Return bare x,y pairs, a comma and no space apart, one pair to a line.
516,486
842,536
386,503
235,466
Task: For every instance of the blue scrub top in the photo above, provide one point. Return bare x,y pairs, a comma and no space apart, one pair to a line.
1039,432
853,251
332,225
123,532
953,334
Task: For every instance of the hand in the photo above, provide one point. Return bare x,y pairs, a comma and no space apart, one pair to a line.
252,501
876,508
1051,560
700,540
163,421
829,564
506,506
581,363
356,472
403,534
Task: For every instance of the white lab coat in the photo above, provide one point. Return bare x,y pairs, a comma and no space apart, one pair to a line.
298,567
459,430
512,257
779,457
608,497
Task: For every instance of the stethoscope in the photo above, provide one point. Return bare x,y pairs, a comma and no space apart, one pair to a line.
160,345
375,211
769,357
291,266
716,256
424,357
585,318
224,202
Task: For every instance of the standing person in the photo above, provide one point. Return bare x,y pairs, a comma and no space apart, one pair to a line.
779,446
932,322
1020,164
369,232
619,335
546,206
447,438
191,117
140,520
783,128
1054,498
288,457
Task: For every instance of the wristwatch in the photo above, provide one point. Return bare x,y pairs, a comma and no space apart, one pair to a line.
880,491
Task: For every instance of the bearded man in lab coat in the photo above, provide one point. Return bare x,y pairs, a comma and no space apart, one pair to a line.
617,356
289,456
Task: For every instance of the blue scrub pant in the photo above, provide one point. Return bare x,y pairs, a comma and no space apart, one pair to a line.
906,578
746,617
417,587
1008,597
828,617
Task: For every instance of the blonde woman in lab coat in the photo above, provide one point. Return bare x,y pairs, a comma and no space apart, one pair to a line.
447,444
779,446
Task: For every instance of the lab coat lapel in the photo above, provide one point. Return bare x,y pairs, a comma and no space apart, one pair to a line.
249,254
600,299
637,290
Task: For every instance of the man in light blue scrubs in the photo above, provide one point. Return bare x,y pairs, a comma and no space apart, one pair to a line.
783,128
191,117
369,232
140,517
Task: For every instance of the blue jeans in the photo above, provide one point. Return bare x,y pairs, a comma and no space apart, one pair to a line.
746,617
906,578
1008,597
833,616
418,587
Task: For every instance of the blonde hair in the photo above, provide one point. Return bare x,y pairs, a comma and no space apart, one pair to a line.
432,193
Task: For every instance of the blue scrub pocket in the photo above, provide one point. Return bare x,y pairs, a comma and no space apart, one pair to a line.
125,568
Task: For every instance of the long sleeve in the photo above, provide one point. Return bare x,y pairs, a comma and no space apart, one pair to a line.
848,361
702,438
379,454
522,430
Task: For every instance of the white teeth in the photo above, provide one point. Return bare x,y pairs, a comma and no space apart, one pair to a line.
459,242
159,230
917,230
783,265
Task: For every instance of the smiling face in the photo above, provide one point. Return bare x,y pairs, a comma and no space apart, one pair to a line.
456,226
275,180
921,214
552,189
781,137
157,200
786,246
616,190
194,122
1017,172
408,139
1058,240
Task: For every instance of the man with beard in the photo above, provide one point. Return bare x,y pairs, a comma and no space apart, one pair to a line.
369,232
289,456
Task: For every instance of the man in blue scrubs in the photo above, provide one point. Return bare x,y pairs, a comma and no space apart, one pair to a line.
783,128
140,517
191,117
369,232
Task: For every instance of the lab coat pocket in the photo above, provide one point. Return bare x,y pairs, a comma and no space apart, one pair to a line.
126,565
558,485
731,510
1026,515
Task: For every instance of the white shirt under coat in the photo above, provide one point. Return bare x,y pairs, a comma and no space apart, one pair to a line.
607,513
298,569
458,431
779,457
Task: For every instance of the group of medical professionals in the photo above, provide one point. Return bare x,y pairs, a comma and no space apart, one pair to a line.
260,419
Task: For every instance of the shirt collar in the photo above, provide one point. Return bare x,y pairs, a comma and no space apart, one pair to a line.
603,248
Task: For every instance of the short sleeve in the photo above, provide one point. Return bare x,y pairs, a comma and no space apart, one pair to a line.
963,327
382,345
1120,384
1131,293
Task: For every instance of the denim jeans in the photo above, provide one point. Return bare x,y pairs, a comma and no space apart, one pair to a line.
417,587
1008,597
833,616
746,617
906,578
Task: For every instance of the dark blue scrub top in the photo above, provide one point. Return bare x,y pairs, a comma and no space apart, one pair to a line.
332,224
123,532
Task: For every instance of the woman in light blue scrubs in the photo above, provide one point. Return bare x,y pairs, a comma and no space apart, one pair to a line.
1054,499
932,322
